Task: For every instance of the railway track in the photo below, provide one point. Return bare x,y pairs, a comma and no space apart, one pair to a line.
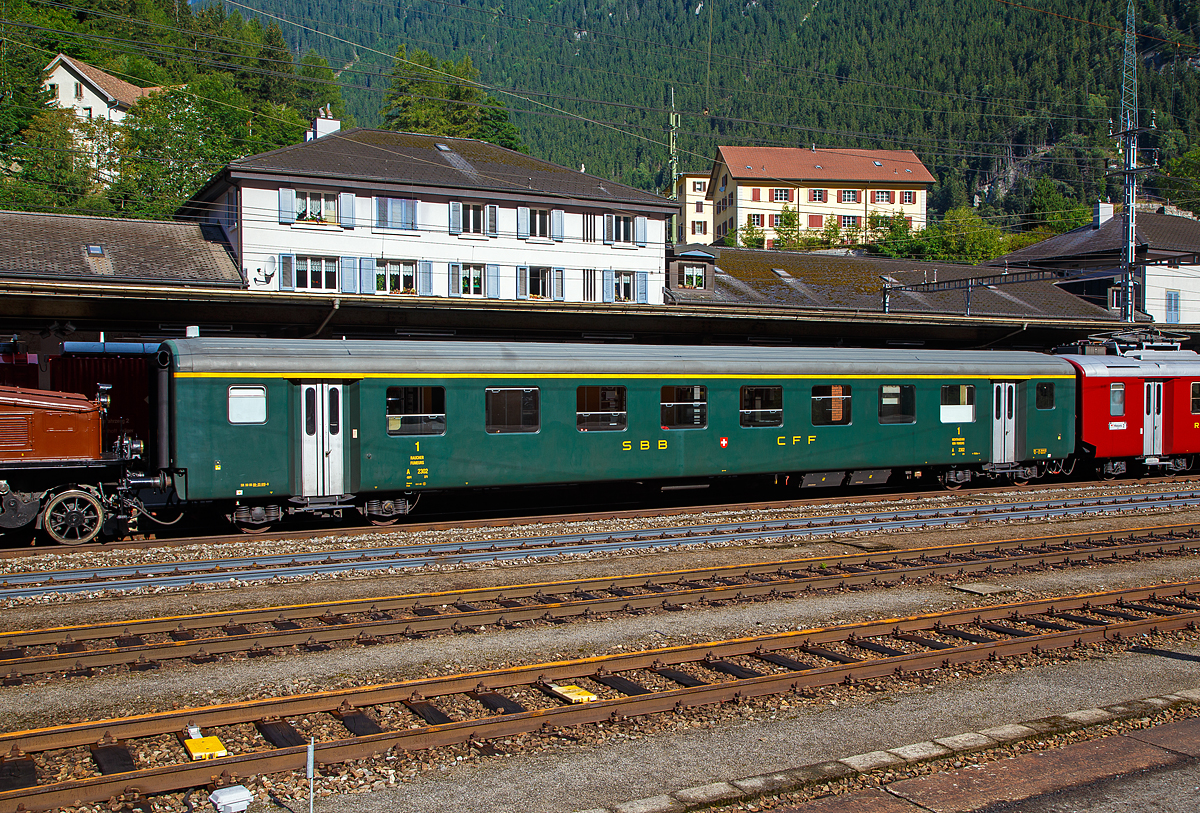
112,759
409,526
300,564
77,651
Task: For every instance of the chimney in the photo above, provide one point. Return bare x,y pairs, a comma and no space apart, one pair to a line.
1101,213
323,124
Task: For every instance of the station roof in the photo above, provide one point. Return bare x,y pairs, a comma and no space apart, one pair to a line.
114,250
749,277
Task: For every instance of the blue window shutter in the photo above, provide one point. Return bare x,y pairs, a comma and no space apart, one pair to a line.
383,212
455,288
287,272
367,281
609,294
557,275
287,205
609,230
642,281
425,278
523,282
408,214
493,220
346,213
455,217
522,221
556,224
492,286
348,268
639,230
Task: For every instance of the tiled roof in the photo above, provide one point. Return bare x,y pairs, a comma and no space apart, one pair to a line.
416,159
125,93
824,164
825,281
55,246
1155,232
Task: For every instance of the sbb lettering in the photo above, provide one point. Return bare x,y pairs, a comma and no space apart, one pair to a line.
643,445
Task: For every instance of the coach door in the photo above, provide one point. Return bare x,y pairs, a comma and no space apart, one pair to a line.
321,439
1152,419
1004,422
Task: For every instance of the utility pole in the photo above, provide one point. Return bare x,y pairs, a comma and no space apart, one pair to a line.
673,146
1128,134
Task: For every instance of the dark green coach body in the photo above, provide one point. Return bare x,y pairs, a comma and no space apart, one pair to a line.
237,412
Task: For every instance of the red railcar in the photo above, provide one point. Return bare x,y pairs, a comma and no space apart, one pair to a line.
1142,407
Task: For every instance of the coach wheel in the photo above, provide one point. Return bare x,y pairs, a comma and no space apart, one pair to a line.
73,518
251,529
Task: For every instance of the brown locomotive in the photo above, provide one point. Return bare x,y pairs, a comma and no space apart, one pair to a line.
53,464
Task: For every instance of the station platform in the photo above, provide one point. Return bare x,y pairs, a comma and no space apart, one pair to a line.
1151,768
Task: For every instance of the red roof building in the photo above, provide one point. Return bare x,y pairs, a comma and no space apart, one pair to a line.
839,186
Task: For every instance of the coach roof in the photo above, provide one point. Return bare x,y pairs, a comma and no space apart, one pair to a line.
353,359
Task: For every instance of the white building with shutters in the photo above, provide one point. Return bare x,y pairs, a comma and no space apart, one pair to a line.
386,214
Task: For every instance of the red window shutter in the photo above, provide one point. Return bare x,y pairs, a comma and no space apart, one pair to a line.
890,198
789,196
812,195
816,221
770,244
908,220
754,193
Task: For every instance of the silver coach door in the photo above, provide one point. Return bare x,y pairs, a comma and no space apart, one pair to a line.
1152,424
1004,422
320,439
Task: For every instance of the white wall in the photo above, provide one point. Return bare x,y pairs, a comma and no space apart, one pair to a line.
1186,280
66,79
264,238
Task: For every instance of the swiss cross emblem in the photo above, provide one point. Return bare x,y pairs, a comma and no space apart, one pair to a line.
724,442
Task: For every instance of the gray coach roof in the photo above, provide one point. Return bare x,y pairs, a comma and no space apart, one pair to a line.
1166,364
350,359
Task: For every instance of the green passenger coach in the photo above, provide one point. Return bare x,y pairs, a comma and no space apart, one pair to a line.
275,427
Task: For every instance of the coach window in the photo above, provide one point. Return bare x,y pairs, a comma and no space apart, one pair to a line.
511,409
1196,397
416,410
762,406
958,403
897,403
247,404
1116,400
1045,395
831,405
600,409
685,407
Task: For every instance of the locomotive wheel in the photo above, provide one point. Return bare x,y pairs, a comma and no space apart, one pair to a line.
73,518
